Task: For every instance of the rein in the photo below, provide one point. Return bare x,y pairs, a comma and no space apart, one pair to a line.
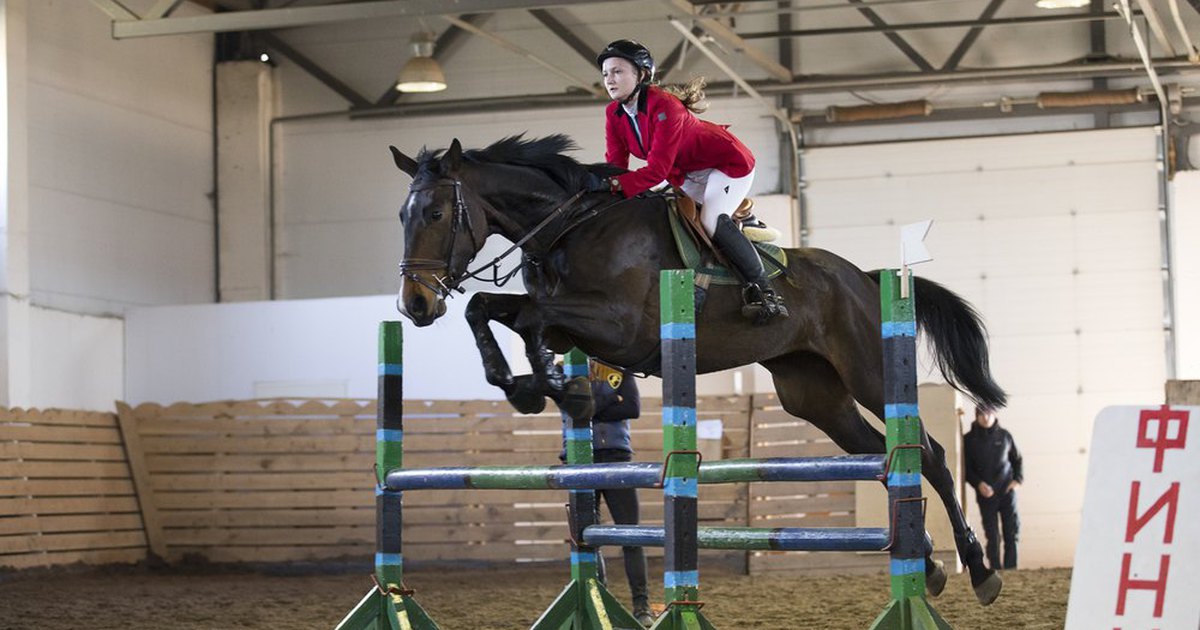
448,283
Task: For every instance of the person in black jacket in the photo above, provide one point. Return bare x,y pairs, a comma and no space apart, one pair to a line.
993,466
615,393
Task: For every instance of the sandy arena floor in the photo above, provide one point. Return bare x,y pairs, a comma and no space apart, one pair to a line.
127,599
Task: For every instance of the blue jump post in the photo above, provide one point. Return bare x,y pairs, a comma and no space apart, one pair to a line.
389,606
908,609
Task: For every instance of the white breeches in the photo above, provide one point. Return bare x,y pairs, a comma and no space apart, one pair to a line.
717,192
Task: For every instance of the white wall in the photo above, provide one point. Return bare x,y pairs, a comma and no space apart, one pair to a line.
316,348
1186,269
115,156
295,348
120,164
1054,238
79,360
15,346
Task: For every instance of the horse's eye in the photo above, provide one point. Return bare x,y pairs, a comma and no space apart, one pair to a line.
437,215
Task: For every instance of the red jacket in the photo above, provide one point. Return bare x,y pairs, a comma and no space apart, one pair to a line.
674,143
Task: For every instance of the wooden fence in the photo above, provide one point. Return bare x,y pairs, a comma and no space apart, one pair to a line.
280,481
66,493
775,433
291,481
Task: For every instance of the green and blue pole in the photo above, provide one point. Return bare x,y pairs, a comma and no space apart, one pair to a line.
577,433
390,605
681,577
908,609
585,603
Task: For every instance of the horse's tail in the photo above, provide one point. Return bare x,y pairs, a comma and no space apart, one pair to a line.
958,338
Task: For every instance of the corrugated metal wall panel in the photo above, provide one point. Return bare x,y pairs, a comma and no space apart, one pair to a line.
120,155
1054,238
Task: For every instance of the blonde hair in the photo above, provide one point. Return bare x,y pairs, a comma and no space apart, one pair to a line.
691,94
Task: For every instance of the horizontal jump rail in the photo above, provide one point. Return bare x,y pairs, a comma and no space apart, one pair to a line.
635,474
746,538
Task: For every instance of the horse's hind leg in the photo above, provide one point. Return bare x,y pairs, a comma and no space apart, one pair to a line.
985,581
809,388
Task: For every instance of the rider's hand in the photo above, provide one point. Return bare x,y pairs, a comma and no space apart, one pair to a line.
595,183
985,490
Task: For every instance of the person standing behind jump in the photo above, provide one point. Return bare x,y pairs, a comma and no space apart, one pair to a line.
707,162
615,394
994,469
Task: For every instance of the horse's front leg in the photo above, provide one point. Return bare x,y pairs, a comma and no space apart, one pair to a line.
527,393
503,308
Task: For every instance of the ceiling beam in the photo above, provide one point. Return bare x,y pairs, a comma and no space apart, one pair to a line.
968,40
726,36
1098,51
674,57
513,47
162,9
768,104
268,19
568,36
717,89
443,49
897,41
914,26
787,54
115,10
316,71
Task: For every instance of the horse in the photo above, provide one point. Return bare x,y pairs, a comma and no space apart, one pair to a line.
591,262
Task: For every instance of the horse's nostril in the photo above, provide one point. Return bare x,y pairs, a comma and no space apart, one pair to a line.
417,304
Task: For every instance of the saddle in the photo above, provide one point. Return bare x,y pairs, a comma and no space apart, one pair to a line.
698,252
687,209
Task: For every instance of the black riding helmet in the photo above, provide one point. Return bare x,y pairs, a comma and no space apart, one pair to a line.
632,52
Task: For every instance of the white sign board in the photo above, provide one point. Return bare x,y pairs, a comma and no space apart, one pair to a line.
1137,566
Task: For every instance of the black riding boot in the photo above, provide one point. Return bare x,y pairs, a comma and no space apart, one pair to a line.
759,301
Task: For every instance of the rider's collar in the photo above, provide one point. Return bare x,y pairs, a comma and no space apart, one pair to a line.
642,95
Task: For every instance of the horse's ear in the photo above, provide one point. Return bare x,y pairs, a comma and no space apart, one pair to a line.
453,157
403,162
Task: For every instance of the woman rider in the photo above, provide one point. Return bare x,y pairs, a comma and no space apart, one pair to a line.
707,162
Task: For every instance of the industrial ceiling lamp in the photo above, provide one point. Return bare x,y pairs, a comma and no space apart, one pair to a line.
422,73
1062,4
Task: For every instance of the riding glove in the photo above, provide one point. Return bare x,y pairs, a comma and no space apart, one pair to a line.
595,183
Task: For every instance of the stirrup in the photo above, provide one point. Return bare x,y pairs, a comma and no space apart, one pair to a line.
761,305
751,220
756,230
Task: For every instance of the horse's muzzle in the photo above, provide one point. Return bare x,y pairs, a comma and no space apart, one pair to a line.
420,305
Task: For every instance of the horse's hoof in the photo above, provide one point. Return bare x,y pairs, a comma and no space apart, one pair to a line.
935,580
988,590
577,400
524,397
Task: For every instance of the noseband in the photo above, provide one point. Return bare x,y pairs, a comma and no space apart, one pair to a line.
444,285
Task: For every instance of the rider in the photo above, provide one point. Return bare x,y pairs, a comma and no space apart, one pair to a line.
707,162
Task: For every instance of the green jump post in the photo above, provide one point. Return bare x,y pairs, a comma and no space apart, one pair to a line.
390,605
585,603
681,577
908,609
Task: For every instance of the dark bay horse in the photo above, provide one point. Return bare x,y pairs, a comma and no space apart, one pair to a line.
591,269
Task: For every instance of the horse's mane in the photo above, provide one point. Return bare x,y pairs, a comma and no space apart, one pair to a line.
545,154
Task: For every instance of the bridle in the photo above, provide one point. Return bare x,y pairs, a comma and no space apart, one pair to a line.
448,282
